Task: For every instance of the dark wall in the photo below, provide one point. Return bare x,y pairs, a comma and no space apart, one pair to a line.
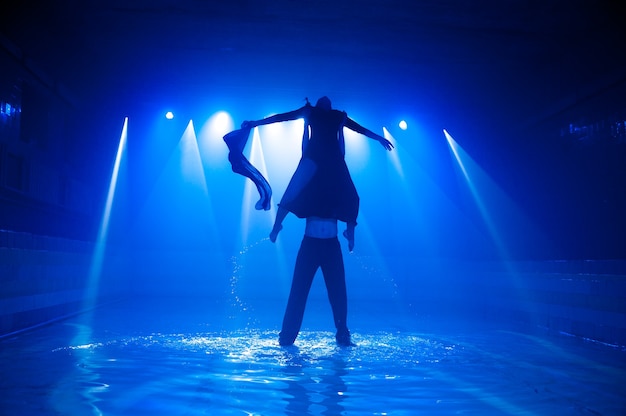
41,191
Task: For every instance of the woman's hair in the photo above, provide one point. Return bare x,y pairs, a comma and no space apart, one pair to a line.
324,103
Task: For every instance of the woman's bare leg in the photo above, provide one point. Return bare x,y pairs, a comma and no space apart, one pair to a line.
278,223
349,235
302,175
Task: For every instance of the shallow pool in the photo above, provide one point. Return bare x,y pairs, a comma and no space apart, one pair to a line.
193,356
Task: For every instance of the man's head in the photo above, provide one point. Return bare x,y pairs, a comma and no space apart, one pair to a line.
324,103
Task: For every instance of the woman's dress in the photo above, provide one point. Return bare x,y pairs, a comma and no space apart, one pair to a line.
330,192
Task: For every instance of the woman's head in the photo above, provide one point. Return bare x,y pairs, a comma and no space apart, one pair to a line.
324,103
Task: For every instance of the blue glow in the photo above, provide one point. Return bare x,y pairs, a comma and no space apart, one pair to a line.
169,115
92,287
358,150
418,211
502,209
98,255
282,149
257,158
402,125
222,330
211,145
395,156
462,159
177,216
191,163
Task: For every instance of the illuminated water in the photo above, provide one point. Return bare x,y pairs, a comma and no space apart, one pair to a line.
194,357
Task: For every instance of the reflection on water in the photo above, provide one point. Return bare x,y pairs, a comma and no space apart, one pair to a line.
323,390
78,390
239,371
121,371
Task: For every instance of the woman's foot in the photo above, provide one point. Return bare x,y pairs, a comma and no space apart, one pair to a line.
274,232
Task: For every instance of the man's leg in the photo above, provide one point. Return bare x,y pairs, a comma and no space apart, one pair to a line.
335,279
304,271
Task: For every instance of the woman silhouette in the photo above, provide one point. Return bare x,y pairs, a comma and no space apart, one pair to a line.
321,186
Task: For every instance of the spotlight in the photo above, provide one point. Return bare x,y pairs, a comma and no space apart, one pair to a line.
169,115
402,125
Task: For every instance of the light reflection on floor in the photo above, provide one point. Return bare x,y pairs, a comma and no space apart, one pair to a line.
175,361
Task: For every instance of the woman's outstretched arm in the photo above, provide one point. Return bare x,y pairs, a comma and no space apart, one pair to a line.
276,118
353,125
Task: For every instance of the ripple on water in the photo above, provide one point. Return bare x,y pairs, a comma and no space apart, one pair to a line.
247,372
